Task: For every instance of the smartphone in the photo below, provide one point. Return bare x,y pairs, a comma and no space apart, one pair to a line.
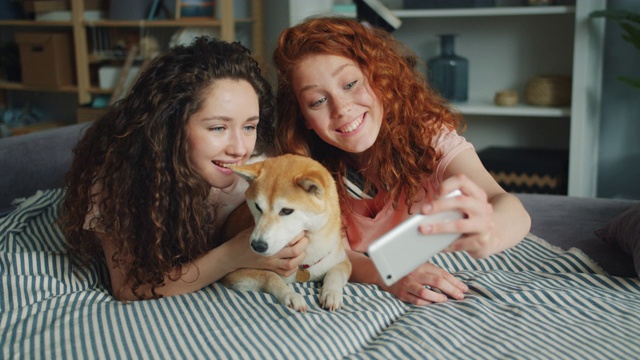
402,249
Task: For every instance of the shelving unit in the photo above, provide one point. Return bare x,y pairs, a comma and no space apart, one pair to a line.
505,47
79,27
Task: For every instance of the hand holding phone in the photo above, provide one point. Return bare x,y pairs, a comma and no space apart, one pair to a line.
402,249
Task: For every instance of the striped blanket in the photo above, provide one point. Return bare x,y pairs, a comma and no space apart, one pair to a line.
530,302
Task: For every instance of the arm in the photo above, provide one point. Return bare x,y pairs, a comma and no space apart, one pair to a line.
494,219
207,269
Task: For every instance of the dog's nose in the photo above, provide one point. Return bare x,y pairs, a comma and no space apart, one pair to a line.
259,246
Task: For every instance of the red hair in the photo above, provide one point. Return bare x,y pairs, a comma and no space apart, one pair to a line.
413,113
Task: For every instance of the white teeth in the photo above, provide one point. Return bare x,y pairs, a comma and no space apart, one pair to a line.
350,127
224,165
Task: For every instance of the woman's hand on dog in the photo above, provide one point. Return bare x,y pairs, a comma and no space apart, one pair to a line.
426,285
285,262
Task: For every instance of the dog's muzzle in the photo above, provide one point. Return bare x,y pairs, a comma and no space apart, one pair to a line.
259,246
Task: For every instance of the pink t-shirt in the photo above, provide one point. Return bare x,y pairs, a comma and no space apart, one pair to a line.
363,230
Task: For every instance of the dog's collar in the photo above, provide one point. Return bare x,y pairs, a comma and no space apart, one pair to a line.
306,266
303,275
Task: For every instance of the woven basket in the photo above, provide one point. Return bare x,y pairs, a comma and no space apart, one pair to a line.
506,98
551,90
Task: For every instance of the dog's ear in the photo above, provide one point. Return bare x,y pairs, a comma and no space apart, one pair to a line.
311,183
248,172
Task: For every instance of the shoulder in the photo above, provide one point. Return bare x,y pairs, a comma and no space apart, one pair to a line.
449,144
448,140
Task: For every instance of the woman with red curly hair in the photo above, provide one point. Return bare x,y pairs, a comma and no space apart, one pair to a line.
352,97
149,188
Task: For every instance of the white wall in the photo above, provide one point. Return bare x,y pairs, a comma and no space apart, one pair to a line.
280,14
619,153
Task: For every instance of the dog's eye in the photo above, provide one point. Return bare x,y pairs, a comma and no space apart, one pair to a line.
286,211
258,208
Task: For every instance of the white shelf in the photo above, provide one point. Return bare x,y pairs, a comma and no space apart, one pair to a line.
478,107
505,49
488,11
466,12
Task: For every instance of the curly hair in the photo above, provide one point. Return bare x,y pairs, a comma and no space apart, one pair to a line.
414,113
152,201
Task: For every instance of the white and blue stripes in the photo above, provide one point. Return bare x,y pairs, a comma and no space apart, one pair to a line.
530,302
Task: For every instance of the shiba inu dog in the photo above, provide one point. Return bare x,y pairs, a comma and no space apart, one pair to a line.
287,195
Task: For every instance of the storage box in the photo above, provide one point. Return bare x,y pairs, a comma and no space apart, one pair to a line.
46,59
528,170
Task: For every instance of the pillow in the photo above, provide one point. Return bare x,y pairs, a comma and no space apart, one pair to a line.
624,231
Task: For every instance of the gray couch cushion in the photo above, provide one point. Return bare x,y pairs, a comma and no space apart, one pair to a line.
35,161
624,232
572,221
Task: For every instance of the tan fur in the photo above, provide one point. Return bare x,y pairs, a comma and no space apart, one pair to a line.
286,195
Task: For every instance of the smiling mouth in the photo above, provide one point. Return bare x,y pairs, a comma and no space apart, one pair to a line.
223,165
351,126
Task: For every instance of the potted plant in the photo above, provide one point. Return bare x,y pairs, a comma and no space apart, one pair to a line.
629,22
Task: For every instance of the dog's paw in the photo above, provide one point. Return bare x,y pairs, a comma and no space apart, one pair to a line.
331,299
294,301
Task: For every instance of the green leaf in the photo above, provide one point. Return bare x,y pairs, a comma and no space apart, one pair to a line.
633,82
618,15
632,35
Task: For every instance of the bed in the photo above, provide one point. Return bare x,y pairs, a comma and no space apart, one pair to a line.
562,293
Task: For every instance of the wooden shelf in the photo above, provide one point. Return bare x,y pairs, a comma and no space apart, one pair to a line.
8,85
153,23
35,23
183,22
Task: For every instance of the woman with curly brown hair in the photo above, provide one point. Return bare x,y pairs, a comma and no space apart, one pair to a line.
150,187
351,97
